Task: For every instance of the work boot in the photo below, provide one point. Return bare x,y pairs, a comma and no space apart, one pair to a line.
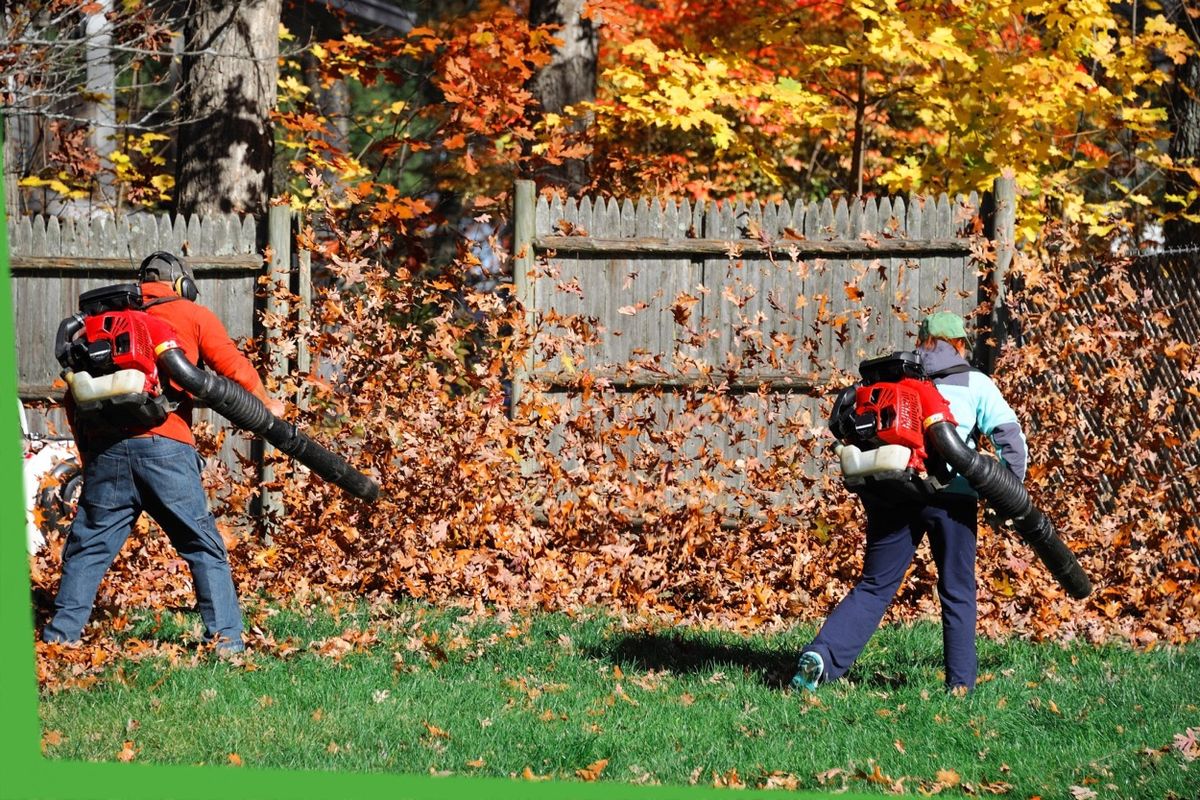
809,671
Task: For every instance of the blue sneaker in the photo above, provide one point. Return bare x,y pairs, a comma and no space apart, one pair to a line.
809,671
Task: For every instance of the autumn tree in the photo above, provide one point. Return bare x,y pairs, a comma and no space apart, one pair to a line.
569,78
768,98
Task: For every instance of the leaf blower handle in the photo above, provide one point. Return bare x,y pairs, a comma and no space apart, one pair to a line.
66,332
1007,495
248,412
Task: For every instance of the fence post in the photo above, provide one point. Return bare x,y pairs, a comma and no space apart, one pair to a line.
1004,223
524,229
279,240
303,313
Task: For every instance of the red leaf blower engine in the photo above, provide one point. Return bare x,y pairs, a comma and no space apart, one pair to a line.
899,443
119,362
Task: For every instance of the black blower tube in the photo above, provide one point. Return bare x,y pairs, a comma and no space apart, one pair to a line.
248,412
1005,493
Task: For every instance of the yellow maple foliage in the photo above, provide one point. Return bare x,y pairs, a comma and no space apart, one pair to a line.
949,96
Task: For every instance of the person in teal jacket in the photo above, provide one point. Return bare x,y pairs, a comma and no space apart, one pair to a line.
949,517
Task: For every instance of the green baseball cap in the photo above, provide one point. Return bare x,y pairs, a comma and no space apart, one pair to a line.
943,325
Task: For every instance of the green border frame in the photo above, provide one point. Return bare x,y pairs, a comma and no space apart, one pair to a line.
24,773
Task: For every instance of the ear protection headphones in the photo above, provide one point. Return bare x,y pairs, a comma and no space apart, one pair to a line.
166,267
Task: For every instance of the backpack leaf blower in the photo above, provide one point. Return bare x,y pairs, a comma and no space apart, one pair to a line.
899,441
117,360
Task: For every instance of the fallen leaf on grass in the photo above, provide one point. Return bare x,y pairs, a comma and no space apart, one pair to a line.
620,694
877,776
235,759
651,681
780,780
435,731
995,787
825,777
1186,744
128,753
948,777
52,739
729,779
1082,793
528,775
592,771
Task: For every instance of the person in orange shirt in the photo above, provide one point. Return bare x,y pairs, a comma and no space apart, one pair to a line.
128,470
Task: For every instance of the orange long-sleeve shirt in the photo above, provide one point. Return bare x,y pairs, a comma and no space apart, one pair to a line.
202,336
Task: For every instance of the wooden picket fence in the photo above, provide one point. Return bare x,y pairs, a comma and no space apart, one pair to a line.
795,295
850,279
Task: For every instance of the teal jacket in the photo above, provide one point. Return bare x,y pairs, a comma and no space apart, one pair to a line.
976,404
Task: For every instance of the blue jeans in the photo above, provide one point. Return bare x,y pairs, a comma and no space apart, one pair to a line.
162,477
893,533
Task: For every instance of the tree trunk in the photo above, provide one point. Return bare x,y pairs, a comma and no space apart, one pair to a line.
226,143
860,132
102,93
1184,114
569,78
16,146
19,135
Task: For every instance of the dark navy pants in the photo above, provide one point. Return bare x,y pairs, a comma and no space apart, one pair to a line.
160,476
893,533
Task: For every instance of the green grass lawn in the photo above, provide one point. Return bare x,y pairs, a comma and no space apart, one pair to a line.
576,698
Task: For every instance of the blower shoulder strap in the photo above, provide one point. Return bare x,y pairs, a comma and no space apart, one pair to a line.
160,300
957,369
176,395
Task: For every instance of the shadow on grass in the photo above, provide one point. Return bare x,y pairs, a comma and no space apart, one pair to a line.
772,667
669,652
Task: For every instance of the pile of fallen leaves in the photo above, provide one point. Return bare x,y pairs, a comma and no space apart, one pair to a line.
585,499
